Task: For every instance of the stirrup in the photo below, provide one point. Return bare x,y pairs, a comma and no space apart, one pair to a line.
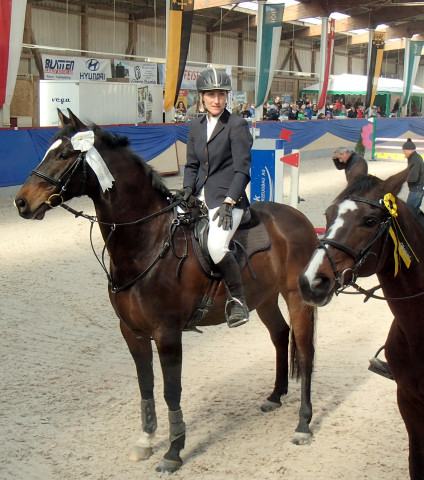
243,315
380,366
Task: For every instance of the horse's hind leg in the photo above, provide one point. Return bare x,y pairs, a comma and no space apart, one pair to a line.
302,319
271,316
141,351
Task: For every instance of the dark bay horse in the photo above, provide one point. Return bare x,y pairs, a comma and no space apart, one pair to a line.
155,281
370,230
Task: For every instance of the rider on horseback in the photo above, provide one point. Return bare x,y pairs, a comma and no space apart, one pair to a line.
217,172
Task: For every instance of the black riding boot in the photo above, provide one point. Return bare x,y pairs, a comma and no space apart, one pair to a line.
239,313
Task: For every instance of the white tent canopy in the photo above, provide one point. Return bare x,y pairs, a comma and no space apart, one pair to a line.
357,85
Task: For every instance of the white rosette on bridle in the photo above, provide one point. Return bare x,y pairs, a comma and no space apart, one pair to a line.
84,142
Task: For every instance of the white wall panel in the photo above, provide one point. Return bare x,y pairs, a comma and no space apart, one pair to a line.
358,66
197,50
107,35
339,64
56,29
224,50
151,40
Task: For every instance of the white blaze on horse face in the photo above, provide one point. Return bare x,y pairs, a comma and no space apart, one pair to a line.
56,144
345,206
319,255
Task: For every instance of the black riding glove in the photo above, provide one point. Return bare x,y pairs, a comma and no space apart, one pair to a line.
225,215
183,194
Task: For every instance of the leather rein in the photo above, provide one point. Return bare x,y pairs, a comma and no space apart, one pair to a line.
57,199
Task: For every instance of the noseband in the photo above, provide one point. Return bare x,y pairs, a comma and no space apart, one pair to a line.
361,256
57,199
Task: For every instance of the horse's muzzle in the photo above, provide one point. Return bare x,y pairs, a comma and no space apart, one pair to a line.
318,292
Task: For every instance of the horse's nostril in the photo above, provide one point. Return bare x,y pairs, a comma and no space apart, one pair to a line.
20,204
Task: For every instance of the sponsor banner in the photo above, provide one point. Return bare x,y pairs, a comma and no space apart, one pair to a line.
136,72
188,81
57,67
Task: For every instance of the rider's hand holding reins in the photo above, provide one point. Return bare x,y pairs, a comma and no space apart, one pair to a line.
183,194
225,215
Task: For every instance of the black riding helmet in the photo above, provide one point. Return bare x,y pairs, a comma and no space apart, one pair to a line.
213,79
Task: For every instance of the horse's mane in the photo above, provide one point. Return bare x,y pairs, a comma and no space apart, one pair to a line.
114,142
360,185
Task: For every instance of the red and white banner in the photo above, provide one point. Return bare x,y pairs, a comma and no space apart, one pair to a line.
323,93
12,19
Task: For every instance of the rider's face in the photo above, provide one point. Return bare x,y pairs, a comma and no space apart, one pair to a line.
215,101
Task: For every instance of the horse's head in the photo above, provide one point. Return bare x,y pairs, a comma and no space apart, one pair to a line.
358,223
49,183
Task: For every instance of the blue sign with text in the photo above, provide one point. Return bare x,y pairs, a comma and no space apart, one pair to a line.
262,176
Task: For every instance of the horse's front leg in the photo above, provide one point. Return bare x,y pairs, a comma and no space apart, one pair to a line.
302,357
141,351
170,354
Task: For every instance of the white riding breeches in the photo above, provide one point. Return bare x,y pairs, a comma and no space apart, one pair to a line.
218,238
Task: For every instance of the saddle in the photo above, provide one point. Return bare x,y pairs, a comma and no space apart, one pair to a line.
251,237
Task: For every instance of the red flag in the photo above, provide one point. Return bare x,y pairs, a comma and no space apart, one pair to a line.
329,58
285,134
292,159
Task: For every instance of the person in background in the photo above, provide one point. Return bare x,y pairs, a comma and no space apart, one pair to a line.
415,177
217,172
272,112
360,112
308,111
252,110
245,111
314,110
293,111
348,160
352,113
277,103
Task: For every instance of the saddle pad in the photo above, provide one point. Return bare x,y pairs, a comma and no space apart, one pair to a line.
253,240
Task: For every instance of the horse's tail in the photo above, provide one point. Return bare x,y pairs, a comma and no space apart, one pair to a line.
294,359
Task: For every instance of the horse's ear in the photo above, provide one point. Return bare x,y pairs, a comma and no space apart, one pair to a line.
394,183
76,122
64,120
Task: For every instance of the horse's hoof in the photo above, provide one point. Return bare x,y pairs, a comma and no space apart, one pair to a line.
169,466
301,438
269,406
140,453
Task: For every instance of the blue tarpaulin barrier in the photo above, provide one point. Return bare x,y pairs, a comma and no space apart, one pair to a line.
22,150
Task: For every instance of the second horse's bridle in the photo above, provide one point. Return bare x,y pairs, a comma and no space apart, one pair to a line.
361,256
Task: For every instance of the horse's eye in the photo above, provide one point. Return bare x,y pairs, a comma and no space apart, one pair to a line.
370,222
64,155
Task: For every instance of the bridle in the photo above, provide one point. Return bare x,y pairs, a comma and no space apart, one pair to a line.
361,256
57,199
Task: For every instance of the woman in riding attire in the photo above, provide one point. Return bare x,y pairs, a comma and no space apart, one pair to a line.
217,171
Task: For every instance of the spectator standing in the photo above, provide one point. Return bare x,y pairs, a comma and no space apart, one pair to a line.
415,177
350,161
